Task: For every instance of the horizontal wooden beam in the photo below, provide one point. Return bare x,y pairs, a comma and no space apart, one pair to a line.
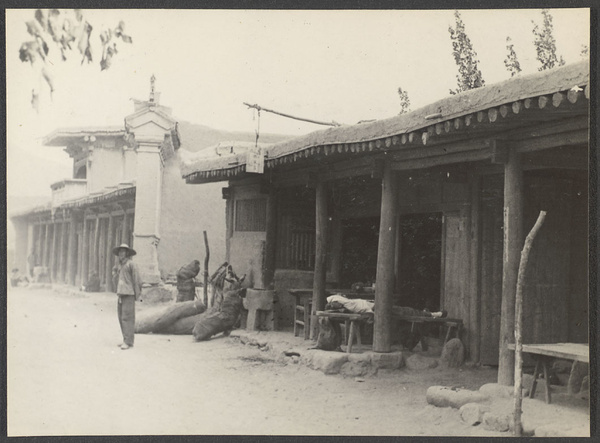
579,137
440,160
575,158
440,149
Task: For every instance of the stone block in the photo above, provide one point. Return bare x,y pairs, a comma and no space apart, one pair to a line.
329,362
392,360
356,369
418,362
496,422
579,370
260,304
453,354
156,294
472,413
496,390
443,396
359,358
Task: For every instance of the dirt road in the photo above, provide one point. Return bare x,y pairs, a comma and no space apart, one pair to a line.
66,376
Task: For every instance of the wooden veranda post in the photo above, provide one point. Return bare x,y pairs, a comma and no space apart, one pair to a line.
385,261
109,256
46,244
63,250
84,252
518,393
513,242
72,254
319,295
54,251
270,246
96,246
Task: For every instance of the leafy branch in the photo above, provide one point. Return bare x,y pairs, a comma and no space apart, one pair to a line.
68,32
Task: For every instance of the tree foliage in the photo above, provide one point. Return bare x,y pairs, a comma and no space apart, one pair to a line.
68,33
404,101
511,62
469,76
585,51
545,44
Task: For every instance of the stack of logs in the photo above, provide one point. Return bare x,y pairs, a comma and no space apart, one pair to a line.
193,317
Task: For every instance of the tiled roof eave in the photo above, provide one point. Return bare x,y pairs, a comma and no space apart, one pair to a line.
561,85
62,136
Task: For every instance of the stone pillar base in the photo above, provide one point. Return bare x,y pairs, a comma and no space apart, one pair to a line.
147,258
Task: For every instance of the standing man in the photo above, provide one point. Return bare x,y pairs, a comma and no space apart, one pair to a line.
126,279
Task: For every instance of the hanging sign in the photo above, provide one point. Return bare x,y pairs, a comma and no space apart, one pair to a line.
255,160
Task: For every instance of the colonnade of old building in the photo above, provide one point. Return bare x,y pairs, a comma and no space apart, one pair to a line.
74,243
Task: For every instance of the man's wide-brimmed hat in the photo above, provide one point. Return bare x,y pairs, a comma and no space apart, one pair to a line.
130,251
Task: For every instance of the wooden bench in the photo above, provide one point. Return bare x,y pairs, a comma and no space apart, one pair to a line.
544,354
302,308
352,323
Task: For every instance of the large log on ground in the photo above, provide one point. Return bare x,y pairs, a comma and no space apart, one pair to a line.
183,326
222,319
157,321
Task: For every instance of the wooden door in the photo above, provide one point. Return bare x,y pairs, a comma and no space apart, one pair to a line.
491,241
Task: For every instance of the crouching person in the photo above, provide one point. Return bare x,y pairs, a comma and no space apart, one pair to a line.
129,287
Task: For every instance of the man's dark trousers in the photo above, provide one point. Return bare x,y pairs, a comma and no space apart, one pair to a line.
126,312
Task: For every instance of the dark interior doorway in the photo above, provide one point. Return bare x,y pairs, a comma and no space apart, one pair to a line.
359,250
419,273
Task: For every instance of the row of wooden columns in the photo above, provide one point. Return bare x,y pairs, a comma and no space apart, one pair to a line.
385,276
51,247
91,255
385,259
56,245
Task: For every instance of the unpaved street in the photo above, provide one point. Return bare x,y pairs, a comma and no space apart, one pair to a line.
66,376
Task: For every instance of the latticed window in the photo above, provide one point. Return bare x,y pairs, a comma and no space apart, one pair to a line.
296,229
251,215
301,250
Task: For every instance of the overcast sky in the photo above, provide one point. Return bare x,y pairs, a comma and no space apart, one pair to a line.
325,65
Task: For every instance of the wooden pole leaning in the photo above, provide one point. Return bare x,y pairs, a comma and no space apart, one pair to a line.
518,391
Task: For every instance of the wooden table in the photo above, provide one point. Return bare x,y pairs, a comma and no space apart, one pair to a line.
303,305
353,320
544,354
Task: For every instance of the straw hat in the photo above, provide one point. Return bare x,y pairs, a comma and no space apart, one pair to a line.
130,251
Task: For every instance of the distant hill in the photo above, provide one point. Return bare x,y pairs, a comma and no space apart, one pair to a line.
18,202
195,137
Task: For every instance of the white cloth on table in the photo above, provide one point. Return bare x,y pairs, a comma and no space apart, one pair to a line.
356,305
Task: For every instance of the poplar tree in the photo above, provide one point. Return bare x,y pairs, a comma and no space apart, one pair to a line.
545,44
511,62
404,101
469,76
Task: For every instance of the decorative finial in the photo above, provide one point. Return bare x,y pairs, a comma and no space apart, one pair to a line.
152,80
